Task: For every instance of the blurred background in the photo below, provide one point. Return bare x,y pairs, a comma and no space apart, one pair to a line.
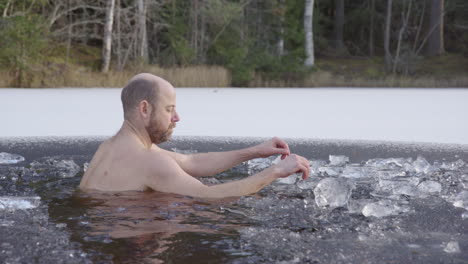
229,43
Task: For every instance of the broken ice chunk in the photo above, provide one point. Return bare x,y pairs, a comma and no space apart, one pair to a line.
383,208
357,172
331,171
257,165
461,200
315,165
390,163
85,166
452,247
405,186
390,174
68,168
12,203
421,165
356,206
452,165
338,160
291,179
308,184
8,158
332,192
429,187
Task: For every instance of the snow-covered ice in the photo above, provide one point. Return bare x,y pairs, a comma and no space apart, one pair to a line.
362,114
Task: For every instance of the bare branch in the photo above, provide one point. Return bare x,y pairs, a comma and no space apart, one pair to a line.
65,12
96,21
6,8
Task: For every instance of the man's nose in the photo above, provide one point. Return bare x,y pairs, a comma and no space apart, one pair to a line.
176,117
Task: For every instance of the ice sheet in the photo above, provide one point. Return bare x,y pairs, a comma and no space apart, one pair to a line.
412,115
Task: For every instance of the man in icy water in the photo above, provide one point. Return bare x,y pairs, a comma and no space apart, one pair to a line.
131,160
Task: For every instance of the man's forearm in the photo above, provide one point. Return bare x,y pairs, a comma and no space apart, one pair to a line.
242,187
207,164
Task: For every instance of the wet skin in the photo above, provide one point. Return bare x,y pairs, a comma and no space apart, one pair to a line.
132,161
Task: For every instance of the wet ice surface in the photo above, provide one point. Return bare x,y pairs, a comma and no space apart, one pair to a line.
378,210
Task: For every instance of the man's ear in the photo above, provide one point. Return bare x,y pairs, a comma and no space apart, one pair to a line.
144,109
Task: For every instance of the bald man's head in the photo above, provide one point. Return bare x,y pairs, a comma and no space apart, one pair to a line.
143,86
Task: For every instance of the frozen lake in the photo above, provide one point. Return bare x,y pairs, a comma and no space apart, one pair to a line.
411,115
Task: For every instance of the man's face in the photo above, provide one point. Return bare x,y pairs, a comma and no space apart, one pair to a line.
163,117
159,133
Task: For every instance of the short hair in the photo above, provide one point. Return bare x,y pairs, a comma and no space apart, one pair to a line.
137,90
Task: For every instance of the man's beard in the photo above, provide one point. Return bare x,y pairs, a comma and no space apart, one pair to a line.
158,135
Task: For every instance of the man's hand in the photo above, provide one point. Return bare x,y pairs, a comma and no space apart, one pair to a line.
274,146
293,164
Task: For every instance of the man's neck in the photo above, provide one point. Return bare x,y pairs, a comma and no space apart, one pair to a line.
142,136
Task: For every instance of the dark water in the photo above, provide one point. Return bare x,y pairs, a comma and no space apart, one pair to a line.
143,227
398,208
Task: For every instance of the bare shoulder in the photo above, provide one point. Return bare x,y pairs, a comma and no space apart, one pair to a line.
160,162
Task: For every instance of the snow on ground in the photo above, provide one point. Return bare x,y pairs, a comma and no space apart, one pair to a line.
415,115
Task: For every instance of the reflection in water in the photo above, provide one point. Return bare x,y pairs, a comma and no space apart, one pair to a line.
149,226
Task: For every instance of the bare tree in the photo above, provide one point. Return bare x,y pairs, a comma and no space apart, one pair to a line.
308,29
405,18
142,33
106,49
280,43
118,36
388,55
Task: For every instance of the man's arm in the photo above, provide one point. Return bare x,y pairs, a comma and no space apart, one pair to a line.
166,175
207,164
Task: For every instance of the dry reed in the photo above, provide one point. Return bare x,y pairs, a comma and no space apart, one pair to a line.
215,76
194,76
327,79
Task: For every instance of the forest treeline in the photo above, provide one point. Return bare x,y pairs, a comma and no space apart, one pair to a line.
252,39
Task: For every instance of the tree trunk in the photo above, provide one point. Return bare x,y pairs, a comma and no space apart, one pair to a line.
202,36
371,30
338,26
280,43
435,44
388,55
194,28
119,36
400,36
418,31
106,51
309,41
142,38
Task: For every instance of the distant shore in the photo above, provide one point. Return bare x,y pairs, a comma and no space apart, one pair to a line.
439,72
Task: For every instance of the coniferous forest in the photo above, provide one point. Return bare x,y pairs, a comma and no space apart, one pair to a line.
248,43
